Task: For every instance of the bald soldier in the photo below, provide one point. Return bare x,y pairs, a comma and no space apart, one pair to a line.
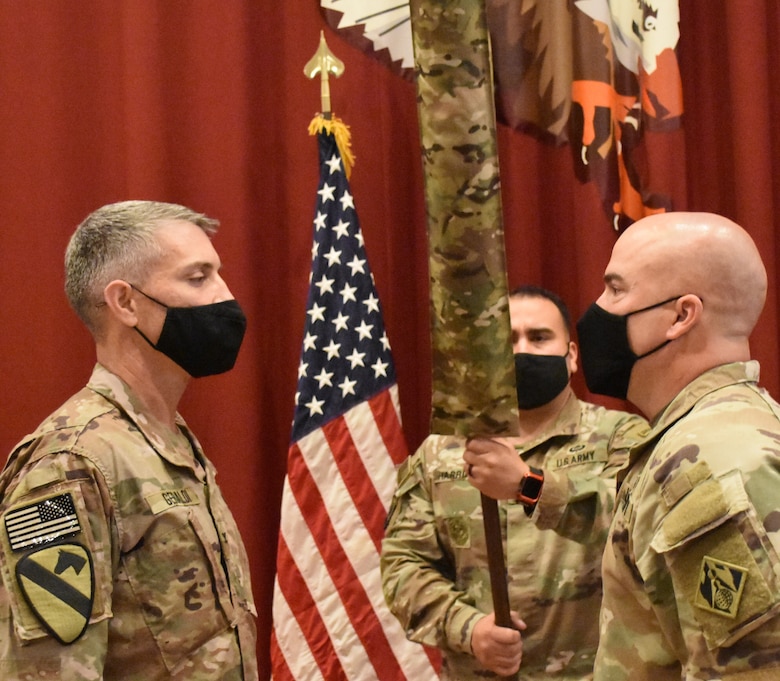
692,567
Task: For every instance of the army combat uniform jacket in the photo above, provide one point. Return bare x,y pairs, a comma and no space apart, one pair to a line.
434,561
119,556
691,569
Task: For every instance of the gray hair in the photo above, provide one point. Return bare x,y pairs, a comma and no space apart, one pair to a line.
118,241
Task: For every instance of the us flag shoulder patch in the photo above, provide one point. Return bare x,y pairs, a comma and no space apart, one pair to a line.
42,522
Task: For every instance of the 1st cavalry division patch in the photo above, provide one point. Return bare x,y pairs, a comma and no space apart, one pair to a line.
58,584
55,578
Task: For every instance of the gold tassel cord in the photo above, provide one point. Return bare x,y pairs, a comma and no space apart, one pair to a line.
340,130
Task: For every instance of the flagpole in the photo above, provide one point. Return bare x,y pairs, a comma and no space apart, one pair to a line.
474,384
330,617
324,63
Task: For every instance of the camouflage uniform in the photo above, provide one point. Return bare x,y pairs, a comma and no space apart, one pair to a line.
113,526
434,563
691,568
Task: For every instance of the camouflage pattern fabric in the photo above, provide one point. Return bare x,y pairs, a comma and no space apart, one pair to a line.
102,492
691,568
474,389
434,564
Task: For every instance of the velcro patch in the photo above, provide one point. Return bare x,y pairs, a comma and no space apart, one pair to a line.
162,501
58,584
449,475
458,529
576,454
719,575
720,587
42,522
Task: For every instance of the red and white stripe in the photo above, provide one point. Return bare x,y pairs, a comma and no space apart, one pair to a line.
330,618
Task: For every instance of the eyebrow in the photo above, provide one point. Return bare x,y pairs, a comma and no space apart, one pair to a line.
539,329
612,278
201,266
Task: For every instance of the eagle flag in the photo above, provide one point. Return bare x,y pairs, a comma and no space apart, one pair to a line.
600,76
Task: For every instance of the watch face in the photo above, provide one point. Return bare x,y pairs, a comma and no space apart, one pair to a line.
532,487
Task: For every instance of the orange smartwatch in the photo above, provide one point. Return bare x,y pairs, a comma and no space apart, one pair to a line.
530,488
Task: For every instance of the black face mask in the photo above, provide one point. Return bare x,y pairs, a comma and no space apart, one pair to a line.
606,356
540,378
203,340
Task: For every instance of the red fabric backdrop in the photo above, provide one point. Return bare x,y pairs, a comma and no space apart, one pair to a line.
204,102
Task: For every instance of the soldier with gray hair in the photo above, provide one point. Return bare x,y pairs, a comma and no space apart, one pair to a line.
692,565
557,474
118,555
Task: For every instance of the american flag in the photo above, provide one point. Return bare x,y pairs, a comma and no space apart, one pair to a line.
330,620
43,522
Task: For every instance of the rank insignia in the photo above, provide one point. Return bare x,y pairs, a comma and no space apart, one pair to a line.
720,587
58,584
458,528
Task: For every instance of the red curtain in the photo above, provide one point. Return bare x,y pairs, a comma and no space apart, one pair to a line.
204,102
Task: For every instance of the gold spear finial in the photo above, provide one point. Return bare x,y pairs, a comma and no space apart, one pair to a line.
325,63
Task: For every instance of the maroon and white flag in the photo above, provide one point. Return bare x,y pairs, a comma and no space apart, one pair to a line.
599,75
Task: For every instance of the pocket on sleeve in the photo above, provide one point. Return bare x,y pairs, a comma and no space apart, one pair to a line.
720,560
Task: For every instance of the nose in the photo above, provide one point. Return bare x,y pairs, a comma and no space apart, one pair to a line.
602,298
221,290
520,345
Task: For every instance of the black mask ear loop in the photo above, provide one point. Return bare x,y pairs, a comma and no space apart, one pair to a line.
645,309
154,300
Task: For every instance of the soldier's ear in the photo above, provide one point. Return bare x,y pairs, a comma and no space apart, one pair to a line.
121,302
572,357
689,309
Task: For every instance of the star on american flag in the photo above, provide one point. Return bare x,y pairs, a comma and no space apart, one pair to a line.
346,357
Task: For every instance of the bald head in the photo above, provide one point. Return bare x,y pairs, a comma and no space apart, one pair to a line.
704,254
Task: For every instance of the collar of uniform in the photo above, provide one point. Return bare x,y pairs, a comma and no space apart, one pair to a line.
714,379
176,447
567,423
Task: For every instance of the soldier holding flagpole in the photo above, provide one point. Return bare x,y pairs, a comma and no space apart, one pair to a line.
557,477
